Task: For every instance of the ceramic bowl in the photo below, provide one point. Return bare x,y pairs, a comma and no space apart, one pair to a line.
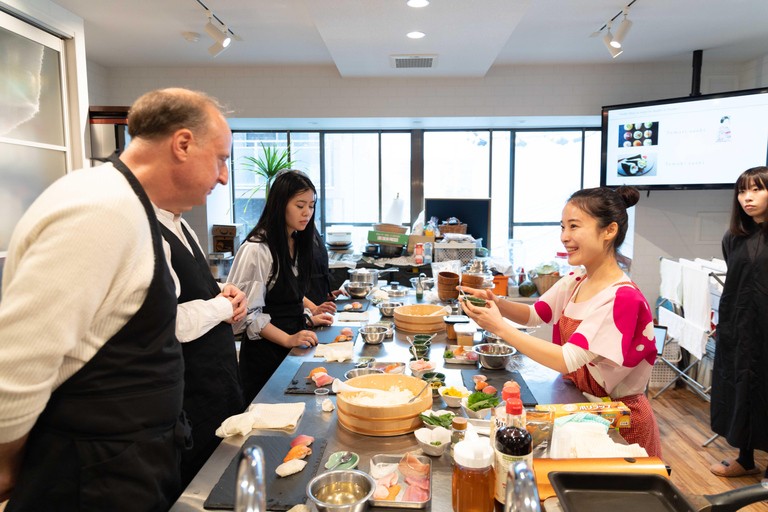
426,436
437,383
477,415
453,401
418,373
437,413
334,458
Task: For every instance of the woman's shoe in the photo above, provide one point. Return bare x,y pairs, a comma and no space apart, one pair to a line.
731,468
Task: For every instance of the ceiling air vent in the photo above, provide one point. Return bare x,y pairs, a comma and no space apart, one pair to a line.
413,61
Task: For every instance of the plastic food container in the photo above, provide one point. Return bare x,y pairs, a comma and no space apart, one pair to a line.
465,334
450,323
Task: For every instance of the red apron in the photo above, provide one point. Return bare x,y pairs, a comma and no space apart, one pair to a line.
643,430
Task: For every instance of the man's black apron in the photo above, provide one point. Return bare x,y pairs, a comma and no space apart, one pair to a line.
212,390
110,437
320,283
260,358
739,407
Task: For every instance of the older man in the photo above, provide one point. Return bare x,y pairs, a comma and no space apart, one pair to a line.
91,373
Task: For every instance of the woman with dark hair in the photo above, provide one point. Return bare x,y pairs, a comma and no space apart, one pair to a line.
273,268
739,408
603,338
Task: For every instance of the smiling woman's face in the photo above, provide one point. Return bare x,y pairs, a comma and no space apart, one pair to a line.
299,210
585,242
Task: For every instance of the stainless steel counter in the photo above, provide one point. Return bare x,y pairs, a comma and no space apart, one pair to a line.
546,385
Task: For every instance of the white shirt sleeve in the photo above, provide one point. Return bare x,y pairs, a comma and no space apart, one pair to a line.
196,317
576,357
250,273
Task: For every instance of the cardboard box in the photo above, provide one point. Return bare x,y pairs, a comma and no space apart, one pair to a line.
377,237
616,412
224,244
415,239
225,229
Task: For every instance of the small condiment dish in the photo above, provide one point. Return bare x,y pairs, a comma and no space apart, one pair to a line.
453,401
334,458
426,437
477,415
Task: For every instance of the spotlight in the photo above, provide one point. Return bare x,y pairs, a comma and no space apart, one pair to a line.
607,38
221,37
417,3
622,31
216,49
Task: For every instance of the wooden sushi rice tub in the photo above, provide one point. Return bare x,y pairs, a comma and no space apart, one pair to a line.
383,420
416,318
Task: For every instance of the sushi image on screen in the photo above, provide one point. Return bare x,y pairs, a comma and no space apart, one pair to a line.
639,134
637,164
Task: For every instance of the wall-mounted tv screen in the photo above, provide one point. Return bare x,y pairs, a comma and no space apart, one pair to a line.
693,142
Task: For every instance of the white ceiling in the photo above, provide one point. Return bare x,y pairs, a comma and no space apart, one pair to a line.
357,36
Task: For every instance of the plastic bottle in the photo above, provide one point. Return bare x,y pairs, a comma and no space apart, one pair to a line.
428,253
418,252
499,413
562,259
473,475
458,430
512,444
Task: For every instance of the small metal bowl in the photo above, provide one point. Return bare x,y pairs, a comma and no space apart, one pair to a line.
489,337
335,479
388,308
359,290
357,372
426,282
373,334
493,356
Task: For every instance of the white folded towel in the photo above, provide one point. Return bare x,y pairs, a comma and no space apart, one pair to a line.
335,351
671,277
688,336
696,303
348,316
262,416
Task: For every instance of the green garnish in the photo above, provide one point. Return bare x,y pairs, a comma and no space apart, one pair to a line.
438,420
479,400
435,443
448,354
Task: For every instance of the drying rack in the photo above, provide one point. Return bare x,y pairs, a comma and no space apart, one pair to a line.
683,375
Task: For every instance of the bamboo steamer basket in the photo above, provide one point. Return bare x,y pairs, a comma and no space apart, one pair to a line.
415,318
383,420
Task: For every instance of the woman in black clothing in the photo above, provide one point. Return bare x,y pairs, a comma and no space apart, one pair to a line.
739,410
273,268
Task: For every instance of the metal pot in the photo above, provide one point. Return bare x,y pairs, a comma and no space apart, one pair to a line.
366,275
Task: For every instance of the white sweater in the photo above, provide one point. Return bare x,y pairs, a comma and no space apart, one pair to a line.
78,268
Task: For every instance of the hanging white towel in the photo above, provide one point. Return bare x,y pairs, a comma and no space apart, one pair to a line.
696,304
688,335
671,277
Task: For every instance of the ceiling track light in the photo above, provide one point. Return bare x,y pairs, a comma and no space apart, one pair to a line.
215,32
622,31
607,38
223,36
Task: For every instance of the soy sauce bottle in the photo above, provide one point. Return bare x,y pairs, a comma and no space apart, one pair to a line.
512,444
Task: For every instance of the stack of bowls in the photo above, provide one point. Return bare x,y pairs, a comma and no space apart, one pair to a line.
471,280
421,345
446,285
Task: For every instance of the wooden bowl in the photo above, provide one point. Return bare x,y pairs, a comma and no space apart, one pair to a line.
414,318
383,420
448,292
471,280
447,278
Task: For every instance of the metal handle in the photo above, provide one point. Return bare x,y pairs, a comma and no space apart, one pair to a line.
522,494
250,493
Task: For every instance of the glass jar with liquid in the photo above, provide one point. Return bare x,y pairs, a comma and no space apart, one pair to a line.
473,476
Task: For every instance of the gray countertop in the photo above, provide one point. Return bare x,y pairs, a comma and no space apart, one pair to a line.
546,385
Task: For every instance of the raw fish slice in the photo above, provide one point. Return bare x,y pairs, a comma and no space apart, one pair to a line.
381,492
393,492
302,440
422,482
290,467
388,480
478,378
413,493
319,369
298,452
410,466
321,379
347,331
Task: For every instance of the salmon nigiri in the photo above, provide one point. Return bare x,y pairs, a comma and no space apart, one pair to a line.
298,452
319,369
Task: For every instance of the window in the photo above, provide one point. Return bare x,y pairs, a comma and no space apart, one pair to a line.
34,146
351,178
500,175
456,164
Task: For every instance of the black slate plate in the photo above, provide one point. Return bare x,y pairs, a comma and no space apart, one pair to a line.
497,378
283,493
301,386
341,302
327,333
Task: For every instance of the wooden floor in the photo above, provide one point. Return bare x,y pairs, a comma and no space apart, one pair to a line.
683,420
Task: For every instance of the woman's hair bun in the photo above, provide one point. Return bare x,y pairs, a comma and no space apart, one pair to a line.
630,195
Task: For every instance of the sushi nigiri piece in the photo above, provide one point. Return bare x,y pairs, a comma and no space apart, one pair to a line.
290,467
347,331
302,440
478,378
298,452
489,390
357,305
319,369
321,379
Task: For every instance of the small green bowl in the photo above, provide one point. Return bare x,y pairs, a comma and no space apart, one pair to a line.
476,301
422,337
334,458
437,384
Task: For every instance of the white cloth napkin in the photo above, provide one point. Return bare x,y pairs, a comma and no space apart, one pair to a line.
348,316
671,277
696,297
262,416
690,336
335,351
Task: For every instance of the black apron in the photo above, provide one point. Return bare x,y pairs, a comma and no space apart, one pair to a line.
110,437
739,409
260,358
212,390
320,282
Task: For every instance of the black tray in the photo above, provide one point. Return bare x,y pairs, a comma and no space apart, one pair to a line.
327,333
497,378
341,302
301,386
283,493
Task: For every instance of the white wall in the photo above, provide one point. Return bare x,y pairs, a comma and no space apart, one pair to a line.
666,221
98,88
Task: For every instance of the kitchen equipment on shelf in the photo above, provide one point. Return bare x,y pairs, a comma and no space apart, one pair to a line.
390,251
382,420
342,490
415,318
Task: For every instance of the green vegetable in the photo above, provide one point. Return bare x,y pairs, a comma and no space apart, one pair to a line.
479,400
435,443
440,420
448,354
527,289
